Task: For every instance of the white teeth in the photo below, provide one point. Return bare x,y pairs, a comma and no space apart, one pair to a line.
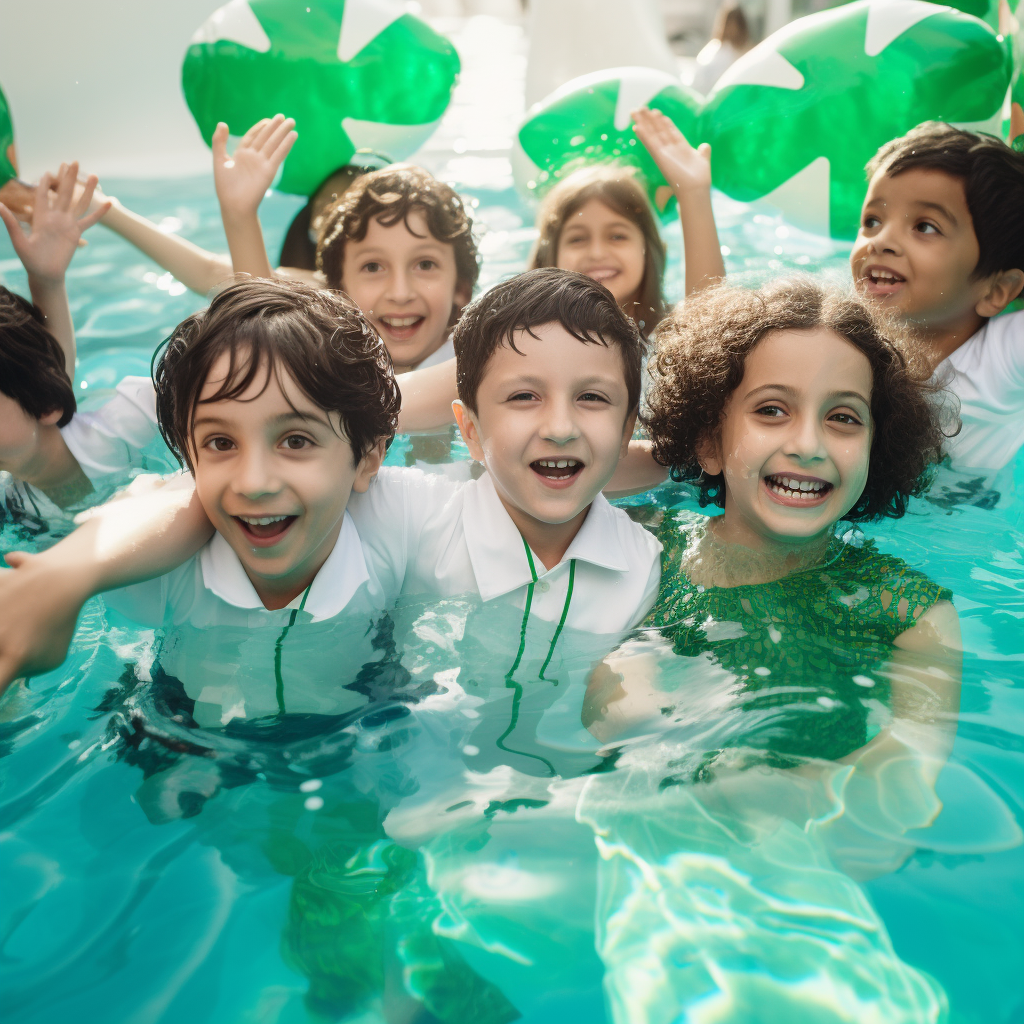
789,487
558,463
883,276
400,321
261,520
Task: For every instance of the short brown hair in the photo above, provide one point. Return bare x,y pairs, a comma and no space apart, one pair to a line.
389,196
618,188
699,363
32,365
993,178
583,307
327,346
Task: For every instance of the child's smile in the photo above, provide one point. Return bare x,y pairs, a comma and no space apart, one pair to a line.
797,490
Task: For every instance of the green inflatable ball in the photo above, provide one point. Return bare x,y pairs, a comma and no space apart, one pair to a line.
793,122
355,75
587,121
8,169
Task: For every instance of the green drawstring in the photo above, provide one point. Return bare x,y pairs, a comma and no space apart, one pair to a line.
277,651
517,694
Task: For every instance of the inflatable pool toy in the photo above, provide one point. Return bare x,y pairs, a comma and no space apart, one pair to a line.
587,121
8,166
355,75
794,121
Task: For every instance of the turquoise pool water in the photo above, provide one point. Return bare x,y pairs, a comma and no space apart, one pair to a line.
397,864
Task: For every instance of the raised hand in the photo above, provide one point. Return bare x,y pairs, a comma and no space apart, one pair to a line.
683,167
59,216
243,178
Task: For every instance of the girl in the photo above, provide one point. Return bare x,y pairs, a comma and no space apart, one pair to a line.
599,221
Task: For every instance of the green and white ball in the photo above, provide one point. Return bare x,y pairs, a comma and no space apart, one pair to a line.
587,121
355,75
7,167
793,122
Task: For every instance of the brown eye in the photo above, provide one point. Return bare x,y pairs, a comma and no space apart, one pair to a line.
296,442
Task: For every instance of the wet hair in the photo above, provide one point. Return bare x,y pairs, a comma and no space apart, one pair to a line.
620,190
700,360
318,337
389,196
731,26
993,178
547,295
32,365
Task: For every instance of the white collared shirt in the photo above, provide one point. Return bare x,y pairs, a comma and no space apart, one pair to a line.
456,538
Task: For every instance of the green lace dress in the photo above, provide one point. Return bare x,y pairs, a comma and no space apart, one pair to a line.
807,651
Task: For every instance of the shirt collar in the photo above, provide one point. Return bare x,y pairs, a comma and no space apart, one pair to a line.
332,588
497,551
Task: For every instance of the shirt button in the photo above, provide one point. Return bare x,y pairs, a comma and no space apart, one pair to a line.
543,586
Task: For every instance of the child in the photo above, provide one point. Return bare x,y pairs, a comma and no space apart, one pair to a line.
941,244
58,459
533,533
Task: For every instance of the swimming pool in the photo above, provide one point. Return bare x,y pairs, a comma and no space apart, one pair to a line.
309,867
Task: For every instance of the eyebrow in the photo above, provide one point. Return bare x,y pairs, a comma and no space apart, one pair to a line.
281,420
926,203
527,380
790,391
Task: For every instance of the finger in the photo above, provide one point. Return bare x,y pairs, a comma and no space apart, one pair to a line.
266,130
66,186
278,135
85,198
14,229
219,143
41,200
251,134
705,150
15,559
85,223
283,149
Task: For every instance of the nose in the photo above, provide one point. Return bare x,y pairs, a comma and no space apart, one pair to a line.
255,476
399,287
805,442
559,423
886,239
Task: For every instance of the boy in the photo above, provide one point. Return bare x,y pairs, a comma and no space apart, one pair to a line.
533,533
941,243
55,458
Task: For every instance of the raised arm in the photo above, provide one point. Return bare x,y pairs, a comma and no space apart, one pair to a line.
427,397
58,220
242,180
124,542
688,173
636,472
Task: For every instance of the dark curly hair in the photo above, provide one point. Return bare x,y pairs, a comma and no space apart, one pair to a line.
699,363
319,337
389,196
32,368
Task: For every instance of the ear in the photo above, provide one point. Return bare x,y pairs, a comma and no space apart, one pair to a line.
460,299
1003,288
709,457
627,433
368,468
469,428
51,419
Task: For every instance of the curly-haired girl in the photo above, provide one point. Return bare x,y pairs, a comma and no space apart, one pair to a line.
793,411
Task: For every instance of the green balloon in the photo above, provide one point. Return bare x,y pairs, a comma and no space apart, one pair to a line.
586,121
795,120
7,168
355,75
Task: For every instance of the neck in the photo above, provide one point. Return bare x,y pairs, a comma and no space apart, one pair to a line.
279,591
54,470
548,541
940,342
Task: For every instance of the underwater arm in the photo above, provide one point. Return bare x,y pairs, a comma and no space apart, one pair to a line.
688,173
125,541
427,397
58,219
242,180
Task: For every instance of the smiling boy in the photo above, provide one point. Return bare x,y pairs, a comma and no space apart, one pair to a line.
941,244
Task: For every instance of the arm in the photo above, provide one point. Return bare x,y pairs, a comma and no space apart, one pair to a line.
124,542
427,397
58,220
242,180
637,472
688,173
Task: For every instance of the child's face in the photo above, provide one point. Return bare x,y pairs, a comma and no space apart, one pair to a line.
407,285
19,437
551,424
916,249
274,474
795,439
605,246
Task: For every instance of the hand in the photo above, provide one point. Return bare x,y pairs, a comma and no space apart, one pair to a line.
242,180
39,606
17,197
58,220
685,169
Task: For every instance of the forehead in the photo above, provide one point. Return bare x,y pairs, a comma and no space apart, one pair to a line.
816,361
554,356
919,186
596,213
270,393
398,237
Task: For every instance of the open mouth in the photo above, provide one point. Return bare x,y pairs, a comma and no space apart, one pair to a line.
557,472
402,327
881,280
264,531
799,491
602,273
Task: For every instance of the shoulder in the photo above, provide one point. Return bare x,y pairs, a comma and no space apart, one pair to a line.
995,352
